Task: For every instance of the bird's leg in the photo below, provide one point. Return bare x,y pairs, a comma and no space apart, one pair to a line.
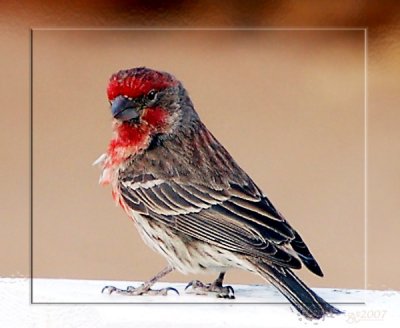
145,288
198,288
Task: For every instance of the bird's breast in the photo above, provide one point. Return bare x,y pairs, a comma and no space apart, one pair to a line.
185,254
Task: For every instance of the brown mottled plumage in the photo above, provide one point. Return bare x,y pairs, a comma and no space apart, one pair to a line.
189,199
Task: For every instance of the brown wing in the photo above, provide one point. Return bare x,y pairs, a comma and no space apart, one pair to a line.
233,218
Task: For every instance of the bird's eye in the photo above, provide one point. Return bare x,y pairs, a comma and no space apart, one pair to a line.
151,95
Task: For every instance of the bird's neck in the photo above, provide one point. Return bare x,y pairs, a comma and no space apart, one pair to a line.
128,141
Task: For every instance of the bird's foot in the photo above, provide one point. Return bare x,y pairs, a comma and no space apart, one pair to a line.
138,291
198,288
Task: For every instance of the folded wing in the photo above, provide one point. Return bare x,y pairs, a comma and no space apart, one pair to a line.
238,218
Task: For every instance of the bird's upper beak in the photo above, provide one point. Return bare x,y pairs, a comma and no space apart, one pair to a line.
124,109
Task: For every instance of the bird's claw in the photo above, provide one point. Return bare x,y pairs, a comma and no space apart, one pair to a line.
141,290
199,288
172,289
162,291
109,289
230,290
194,284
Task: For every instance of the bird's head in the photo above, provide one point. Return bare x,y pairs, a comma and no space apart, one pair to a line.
142,97
146,104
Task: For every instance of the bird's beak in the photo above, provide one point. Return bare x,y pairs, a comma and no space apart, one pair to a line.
124,109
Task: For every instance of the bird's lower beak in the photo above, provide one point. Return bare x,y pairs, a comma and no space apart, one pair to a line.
124,109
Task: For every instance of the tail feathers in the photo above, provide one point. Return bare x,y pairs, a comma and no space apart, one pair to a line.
302,298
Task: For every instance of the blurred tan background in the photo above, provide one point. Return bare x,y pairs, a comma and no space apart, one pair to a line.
288,105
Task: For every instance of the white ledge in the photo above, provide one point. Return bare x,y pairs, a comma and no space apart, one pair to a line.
254,306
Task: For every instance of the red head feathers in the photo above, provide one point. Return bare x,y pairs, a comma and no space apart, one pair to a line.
136,82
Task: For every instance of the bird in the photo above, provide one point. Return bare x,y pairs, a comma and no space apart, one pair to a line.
189,199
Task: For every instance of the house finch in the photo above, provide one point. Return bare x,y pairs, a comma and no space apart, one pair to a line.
190,200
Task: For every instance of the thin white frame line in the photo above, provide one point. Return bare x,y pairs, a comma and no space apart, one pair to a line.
198,28
365,29
365,159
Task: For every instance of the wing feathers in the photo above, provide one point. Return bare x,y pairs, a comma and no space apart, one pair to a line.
233,219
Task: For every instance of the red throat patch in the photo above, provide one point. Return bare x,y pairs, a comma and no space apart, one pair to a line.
129,139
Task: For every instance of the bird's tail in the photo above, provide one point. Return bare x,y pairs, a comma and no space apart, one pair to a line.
303,298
